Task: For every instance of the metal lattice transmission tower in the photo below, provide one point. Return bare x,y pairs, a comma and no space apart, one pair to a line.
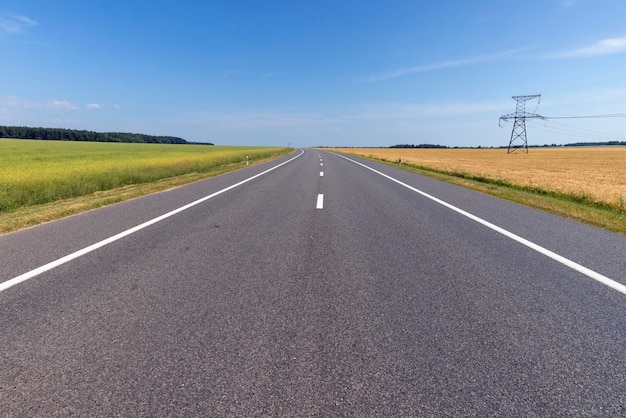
518,134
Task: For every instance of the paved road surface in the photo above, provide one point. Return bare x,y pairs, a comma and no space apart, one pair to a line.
267,299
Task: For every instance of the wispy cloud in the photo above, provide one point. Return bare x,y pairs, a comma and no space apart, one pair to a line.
365,124
603,47
441,65
15,24
16,102
350,116
61,104
412,112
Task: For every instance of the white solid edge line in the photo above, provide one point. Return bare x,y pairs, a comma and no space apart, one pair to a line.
320,201
565,261
56,263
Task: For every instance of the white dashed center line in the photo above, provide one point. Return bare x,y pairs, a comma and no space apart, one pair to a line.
320,201
321,174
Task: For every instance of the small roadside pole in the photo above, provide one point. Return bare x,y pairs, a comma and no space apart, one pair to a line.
400,161
247,162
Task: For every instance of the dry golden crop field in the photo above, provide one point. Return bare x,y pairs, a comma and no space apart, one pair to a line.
598,172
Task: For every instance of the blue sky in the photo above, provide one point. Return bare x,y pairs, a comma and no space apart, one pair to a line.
309,73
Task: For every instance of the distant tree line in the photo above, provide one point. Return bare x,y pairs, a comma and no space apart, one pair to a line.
59,134
417,146
575,144
588,144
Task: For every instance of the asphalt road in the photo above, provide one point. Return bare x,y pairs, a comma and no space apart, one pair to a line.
266,299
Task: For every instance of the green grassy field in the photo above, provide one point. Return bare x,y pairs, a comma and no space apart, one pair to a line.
39,172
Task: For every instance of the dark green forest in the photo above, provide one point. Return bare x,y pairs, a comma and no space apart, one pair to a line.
60,134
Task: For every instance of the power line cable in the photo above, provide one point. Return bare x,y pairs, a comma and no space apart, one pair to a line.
518,138
583,129
610,115
574,133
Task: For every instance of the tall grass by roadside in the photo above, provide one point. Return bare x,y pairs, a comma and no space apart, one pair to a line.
577,197
591,175
40,172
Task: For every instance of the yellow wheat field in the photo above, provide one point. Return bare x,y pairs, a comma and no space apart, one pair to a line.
598,172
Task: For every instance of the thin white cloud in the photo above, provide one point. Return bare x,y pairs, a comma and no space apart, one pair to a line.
441,65
352,116
13,102
603,47
93,106
356,124
61,104
421,111
15,24
257,120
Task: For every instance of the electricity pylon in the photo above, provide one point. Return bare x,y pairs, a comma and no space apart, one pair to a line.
518,134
